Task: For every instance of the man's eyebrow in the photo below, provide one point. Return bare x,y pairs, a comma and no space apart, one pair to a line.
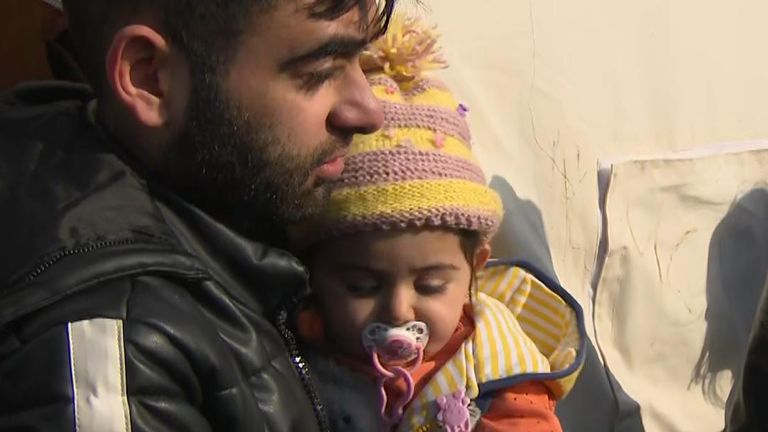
337,46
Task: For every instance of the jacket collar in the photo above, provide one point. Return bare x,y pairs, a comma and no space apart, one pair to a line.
258,275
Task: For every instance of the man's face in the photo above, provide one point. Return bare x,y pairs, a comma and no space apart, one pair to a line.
265,134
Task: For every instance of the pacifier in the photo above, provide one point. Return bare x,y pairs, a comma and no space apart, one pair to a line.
392,349
399,344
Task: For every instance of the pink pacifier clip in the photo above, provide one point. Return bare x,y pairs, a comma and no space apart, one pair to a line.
395,372
403,345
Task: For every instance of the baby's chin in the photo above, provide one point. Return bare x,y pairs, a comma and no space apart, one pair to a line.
431,351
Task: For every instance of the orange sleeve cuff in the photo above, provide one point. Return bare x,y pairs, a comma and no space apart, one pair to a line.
525,407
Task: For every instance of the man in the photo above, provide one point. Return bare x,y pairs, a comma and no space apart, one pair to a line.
737,295
140,286
745,409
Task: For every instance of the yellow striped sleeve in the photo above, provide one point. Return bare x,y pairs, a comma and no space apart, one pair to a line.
471,376
532,325
490,327
520,358
517,301
492,281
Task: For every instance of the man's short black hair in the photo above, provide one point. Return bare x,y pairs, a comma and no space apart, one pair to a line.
207,31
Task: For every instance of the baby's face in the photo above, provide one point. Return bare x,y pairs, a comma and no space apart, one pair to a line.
391,277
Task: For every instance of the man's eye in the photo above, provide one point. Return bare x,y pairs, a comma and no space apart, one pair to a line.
312,80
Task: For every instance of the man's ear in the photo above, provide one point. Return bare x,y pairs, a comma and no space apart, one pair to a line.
482,255
137,63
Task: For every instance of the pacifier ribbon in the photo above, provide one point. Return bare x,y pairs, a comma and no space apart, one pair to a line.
395,353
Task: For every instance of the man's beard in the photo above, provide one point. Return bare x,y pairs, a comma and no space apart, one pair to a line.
240,171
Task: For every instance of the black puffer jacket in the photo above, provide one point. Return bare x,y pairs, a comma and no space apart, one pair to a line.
123,308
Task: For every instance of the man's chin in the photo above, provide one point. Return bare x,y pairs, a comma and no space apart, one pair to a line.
311,203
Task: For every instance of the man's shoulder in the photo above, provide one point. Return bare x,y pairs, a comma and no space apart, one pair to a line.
126,297
97,277
73,211
170,319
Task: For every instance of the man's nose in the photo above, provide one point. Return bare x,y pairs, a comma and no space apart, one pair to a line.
357,111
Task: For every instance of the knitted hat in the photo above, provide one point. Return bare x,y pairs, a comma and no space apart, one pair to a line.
418,170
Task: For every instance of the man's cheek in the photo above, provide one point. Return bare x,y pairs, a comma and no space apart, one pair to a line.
310,120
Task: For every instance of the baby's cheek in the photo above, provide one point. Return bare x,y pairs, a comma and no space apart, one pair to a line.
349,333
436,342
442,326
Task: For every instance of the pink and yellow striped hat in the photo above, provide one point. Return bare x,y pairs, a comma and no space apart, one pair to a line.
418,170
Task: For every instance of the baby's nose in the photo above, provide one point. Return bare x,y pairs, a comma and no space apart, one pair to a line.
399,310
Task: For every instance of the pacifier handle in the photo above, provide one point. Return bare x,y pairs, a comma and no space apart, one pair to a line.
396,372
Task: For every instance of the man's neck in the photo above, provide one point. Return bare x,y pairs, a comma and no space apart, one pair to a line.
262,230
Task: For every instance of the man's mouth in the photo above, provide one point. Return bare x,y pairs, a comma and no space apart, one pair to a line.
332,168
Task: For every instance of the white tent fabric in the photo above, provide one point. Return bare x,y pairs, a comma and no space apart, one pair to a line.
685,264
557,90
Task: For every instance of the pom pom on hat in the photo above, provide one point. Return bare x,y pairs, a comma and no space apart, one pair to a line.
406,51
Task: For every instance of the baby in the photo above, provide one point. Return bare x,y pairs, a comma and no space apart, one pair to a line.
409,327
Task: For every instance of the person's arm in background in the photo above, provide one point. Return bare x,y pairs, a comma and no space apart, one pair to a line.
34,43
526,407
745,409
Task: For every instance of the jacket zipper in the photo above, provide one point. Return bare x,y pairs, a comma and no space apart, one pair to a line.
302,368
53,259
